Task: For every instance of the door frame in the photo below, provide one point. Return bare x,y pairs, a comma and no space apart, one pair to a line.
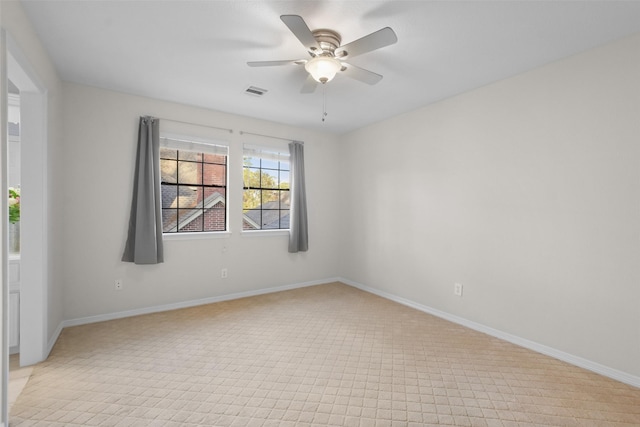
34,223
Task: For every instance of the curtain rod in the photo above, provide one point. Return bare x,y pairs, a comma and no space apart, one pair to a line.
266,136
196,124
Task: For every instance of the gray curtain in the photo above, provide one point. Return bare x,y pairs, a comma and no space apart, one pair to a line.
298,231
144,240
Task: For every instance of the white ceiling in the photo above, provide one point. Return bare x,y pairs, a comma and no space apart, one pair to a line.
195,52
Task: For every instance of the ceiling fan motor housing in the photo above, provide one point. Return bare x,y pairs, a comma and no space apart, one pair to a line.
328,40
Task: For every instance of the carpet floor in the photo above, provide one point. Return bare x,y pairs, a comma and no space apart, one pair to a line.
327,355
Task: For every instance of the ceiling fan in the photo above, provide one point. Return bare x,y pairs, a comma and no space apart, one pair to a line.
328,57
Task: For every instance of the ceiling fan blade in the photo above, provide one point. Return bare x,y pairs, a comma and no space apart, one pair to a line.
373,41
360,74
309,85
300,29
273,63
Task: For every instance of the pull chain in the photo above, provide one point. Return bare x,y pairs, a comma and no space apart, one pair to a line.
324,101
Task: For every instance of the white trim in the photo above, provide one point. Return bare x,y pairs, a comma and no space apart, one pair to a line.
20,71
4,228
272,152
196,235
34,99
265,233
34,233
191,303
195,144
13,100
522,342
181,138
265,141
54,337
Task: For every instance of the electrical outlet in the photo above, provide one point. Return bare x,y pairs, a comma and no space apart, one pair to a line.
224,273
118,285
457,289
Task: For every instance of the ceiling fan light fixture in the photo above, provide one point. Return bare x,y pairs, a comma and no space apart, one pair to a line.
323,68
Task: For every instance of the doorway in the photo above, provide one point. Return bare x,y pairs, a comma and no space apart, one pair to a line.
31,301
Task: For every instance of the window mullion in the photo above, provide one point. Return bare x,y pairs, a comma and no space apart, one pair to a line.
202,186
178,190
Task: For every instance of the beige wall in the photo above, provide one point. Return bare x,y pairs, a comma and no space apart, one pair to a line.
99,151
526,191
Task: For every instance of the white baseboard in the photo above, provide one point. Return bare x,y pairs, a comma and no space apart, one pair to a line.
186,304
53,339
531,345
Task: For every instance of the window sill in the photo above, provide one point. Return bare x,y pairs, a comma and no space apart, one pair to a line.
264,233
196,235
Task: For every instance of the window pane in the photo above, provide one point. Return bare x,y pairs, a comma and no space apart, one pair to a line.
250,199
214,175
168,153
214,197
270,199
169,217
284,219
285,200
284,179
270,219
188,196
215,158
215,215
169,194
190,155
168,171
251,177
190,219
189,173
269,178
251,161
215,219
253,217
269,164
284,166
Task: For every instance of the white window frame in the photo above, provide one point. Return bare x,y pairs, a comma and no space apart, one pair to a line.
198,145
278,152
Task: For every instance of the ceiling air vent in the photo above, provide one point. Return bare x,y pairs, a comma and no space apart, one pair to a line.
256,91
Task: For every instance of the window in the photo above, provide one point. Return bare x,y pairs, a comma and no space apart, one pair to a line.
194,185
265,198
